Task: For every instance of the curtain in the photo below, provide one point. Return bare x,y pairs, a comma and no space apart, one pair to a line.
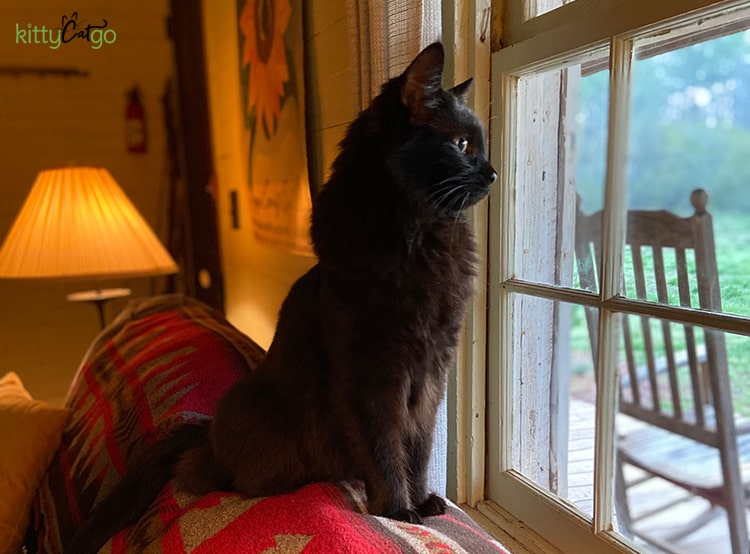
385,36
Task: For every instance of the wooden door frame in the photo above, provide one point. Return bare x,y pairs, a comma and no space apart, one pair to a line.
202,256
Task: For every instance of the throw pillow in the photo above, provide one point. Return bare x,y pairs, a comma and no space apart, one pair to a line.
30,432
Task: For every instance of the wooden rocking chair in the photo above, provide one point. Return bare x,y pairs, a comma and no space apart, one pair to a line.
681,397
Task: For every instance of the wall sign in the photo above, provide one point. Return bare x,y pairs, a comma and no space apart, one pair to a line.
271,75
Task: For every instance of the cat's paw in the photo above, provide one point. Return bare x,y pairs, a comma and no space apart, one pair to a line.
409,515
433,505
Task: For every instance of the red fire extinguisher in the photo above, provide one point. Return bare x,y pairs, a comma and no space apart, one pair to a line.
135,121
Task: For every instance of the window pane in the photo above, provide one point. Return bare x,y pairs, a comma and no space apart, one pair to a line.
690,129
667,469
554,419
561,166
675,380
538,7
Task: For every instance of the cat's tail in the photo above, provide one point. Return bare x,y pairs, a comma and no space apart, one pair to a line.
138,489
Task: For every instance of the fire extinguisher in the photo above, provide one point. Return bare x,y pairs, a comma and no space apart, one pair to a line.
135,120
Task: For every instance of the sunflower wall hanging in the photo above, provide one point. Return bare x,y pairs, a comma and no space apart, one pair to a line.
271,74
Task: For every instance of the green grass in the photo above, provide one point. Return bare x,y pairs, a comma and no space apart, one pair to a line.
732,235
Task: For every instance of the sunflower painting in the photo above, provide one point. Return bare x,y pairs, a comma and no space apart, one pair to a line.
271,42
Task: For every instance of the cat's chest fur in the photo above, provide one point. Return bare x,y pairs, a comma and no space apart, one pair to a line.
406,304
436,271
424,277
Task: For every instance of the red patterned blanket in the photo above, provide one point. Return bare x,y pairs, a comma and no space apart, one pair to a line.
167,360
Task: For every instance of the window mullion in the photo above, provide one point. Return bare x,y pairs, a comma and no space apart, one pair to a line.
621,55
501,243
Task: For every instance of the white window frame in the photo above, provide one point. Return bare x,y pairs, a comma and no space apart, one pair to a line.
480,398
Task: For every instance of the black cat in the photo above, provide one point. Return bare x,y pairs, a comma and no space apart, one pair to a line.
357,367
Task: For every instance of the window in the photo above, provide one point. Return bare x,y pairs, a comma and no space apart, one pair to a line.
536,8
621,107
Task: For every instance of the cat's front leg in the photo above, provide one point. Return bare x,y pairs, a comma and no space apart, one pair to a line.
405,475
386,480
426,504
375,433
370,397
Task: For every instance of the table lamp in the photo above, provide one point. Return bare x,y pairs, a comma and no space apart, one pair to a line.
77,222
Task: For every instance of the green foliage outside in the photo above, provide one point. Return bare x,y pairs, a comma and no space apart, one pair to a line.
690,128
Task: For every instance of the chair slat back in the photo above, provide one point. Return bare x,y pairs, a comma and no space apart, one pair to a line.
664,369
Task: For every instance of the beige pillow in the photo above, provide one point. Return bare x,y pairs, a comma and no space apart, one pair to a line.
30,432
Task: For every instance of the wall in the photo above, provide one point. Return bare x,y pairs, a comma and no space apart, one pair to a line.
52,121
257,278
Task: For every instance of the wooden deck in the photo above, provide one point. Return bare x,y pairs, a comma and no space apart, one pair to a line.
713,538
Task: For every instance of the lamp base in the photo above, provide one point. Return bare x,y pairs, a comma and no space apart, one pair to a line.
98,297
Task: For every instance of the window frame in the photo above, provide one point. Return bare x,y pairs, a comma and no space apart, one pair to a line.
466,28
480,399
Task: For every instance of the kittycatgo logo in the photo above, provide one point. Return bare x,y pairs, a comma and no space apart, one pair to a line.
72,29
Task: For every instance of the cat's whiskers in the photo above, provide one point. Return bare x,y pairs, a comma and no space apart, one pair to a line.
457,216
430,203
434,204
443,189
435,200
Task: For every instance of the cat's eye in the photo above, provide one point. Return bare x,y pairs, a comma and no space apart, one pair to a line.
462,143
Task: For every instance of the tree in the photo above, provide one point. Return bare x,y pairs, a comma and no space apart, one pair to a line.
689,128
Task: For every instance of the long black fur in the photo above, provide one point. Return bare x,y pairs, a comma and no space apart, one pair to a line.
358,364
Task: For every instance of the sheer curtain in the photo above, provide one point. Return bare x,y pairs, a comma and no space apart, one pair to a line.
384,37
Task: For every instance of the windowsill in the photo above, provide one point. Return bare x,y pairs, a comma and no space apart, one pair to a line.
509,531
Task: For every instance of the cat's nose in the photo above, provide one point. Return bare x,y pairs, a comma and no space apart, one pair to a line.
492,176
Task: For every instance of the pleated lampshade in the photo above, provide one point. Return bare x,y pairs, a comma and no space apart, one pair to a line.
77,222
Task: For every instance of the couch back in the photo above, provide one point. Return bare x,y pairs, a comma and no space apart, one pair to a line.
163,360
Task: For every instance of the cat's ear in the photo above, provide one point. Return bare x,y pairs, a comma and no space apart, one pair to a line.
423,80
461,91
